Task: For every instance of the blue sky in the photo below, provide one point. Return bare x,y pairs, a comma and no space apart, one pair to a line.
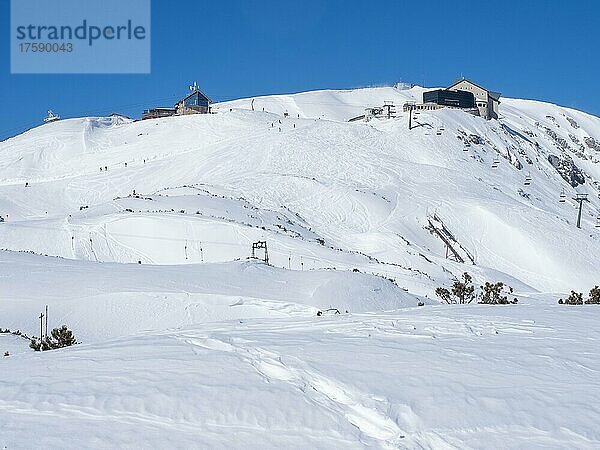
545,50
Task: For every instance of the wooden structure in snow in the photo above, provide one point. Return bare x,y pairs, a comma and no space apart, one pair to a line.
196,102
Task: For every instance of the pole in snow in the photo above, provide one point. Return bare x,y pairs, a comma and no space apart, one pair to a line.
41,325
46,334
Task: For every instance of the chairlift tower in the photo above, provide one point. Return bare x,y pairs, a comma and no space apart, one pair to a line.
410,106
260,245
580,198
51,117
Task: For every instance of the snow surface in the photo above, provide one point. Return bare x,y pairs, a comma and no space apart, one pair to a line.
137,235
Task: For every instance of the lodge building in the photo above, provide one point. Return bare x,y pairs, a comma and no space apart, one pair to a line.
487,101
465,95
195,102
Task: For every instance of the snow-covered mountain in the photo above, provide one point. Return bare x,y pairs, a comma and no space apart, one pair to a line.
364,190
153,222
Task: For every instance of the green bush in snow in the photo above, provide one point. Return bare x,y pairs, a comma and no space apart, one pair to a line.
575,298
59,338
462,292
493,294
594,298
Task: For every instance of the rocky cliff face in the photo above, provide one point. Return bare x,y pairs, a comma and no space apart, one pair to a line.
567,169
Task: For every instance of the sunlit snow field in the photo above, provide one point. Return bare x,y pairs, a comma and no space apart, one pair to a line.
137,236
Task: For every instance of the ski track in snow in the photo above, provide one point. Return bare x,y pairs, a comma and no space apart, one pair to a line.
328,393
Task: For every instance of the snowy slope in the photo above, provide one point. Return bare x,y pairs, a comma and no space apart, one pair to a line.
358,187
147,226
108,300
430,378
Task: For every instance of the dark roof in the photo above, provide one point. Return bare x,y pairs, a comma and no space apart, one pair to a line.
194,92
494,95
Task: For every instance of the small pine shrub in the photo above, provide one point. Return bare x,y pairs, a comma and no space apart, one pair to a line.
575,298
444,294
60,337
462,291
42,344
493,294
63,337
594,298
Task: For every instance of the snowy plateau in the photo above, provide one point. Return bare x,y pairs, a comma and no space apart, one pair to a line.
137,235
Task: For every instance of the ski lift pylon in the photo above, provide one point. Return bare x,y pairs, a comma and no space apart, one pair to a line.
527,180
51,117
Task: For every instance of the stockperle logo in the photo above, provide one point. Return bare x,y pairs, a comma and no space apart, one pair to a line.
80,36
